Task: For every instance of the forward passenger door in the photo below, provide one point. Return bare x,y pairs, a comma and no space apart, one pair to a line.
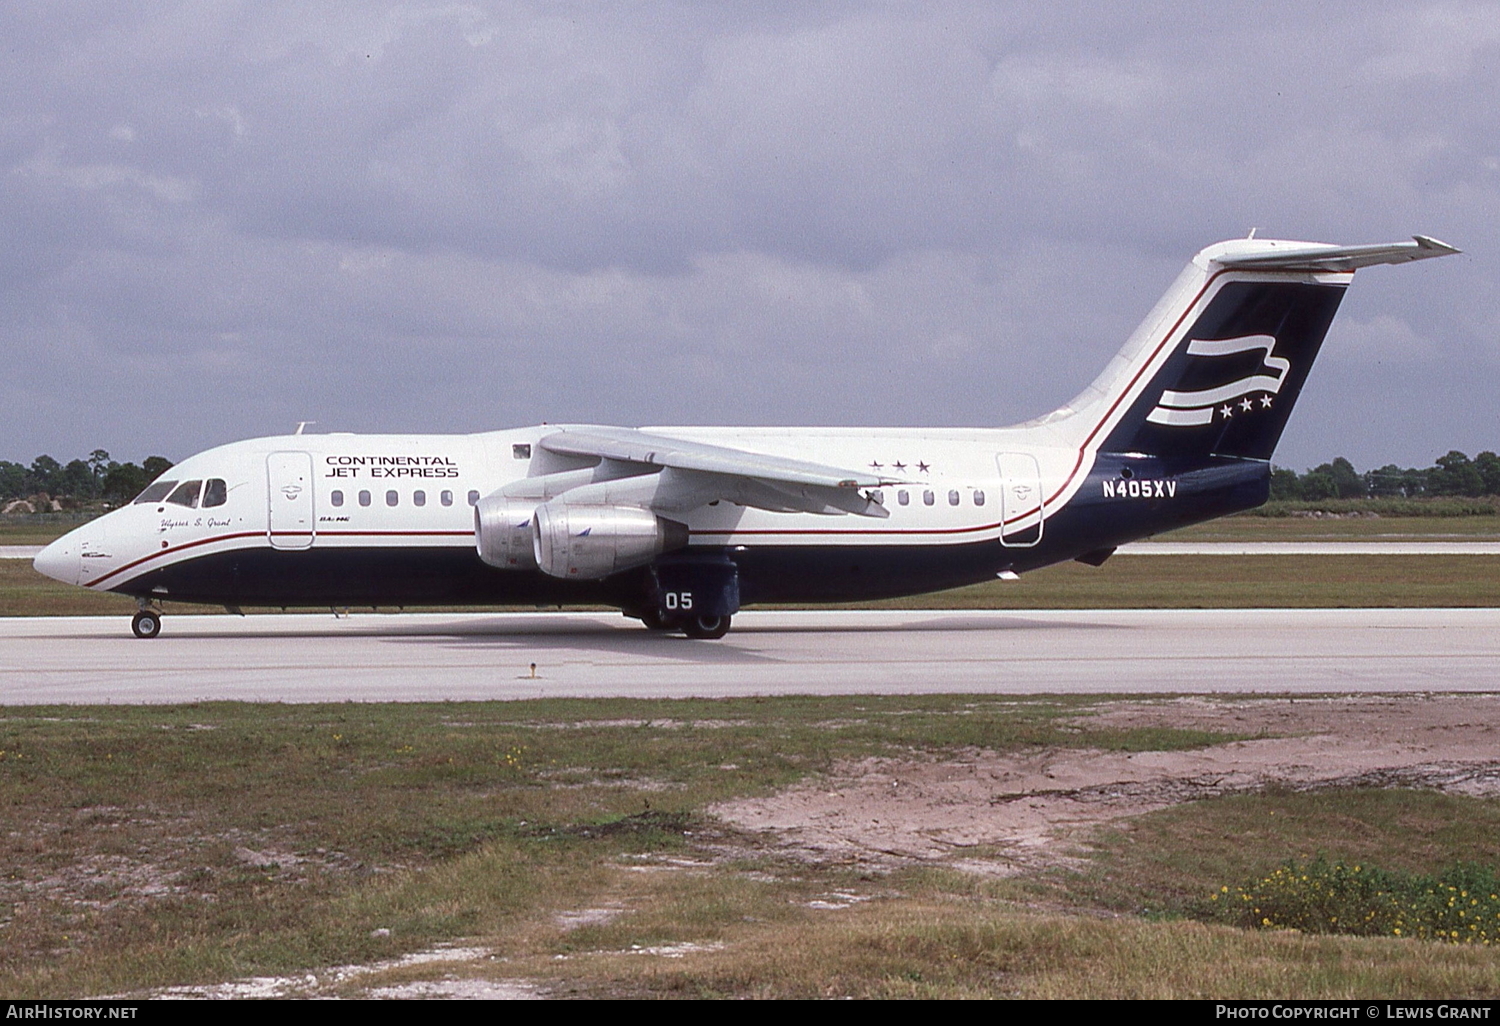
290,523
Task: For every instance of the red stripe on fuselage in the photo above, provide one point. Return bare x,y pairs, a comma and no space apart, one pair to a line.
172,550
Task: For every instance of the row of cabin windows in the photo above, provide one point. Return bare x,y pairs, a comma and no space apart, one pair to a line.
213,492
210,493
929,498
393,498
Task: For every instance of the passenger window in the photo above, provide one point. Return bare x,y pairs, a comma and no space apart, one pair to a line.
156,492
953,498
337,498
391,498
877,497
446,498
927,498
215,492
364,498
902,497
473,497
978,498
419,498
521,451
186,494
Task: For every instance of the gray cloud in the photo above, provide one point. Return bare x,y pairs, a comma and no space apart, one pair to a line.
219,219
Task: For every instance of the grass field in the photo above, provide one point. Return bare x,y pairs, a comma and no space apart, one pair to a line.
151,846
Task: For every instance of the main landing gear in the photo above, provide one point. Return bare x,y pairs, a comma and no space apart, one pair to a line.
147,622
708,628
705,628
694,593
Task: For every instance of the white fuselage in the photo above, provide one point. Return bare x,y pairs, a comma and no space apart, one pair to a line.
418,492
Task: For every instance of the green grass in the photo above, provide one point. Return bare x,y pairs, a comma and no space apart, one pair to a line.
1212,582
1458,905
150,846
1173,861
1444,506
1250,527
146,846
37,530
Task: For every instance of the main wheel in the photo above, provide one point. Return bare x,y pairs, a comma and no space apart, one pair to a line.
706,627
146,623
656,623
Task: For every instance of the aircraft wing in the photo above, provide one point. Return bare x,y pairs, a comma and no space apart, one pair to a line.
694,473
627,445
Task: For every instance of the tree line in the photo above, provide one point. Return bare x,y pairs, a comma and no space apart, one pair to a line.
95,479
1453,474
101,479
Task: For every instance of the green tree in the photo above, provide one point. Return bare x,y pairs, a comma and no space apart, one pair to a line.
43,474
1388,481
1347,482
1318,485
1284,484
77,480
99,463
1455,474
123,482
155,466
12,479
1488,465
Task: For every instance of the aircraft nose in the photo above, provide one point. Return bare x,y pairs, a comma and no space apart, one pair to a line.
60,560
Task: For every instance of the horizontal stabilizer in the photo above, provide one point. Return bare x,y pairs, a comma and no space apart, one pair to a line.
1275,255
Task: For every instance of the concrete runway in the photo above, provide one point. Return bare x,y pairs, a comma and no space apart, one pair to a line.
433,656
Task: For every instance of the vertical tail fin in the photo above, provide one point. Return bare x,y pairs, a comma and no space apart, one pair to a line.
1215,370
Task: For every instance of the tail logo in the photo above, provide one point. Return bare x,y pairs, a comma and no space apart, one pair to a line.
1188,409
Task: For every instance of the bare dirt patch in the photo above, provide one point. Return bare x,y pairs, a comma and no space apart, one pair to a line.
1000,814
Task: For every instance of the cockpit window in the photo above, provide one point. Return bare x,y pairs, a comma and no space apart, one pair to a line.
215,493
156,491
186,494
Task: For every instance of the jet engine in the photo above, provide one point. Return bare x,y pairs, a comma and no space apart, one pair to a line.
502,532
581,542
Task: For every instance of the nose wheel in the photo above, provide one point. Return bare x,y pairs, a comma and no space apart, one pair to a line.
146,623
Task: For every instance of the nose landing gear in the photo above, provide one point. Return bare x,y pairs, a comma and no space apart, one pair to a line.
147,622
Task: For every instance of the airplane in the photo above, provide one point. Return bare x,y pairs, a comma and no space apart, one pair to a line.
680,527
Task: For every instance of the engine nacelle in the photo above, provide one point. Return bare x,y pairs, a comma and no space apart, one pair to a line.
502,532
579,542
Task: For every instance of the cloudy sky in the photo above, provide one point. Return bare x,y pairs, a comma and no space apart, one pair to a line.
221,218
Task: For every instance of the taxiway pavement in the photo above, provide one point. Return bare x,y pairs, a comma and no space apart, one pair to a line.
443,657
